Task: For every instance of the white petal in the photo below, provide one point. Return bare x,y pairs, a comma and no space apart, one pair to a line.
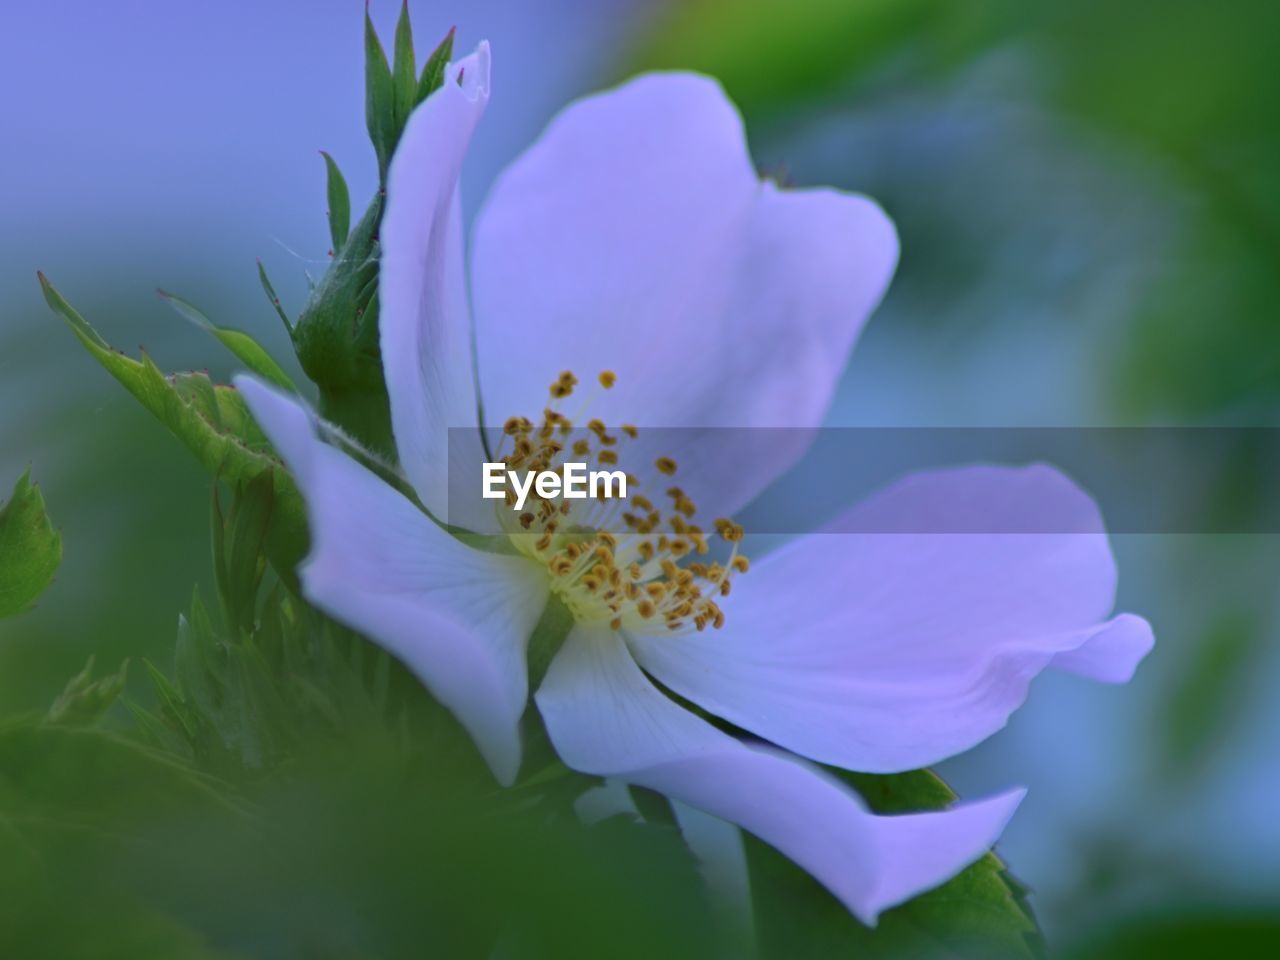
889,651
606,718
425,322
635,236
458,618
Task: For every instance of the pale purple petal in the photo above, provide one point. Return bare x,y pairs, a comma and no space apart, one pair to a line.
425,323
635,236
458,618
606,718
891,651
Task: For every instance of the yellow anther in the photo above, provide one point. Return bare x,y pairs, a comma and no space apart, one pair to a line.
729,530
640,570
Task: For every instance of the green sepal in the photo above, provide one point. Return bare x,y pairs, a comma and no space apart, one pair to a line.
239,543
432,78
404,70
980,913
246,349
336,336
275,300
214,423
336,339
380,98
339,204
30,549
84,700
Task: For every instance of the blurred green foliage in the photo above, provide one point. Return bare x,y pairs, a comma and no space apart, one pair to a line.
298,794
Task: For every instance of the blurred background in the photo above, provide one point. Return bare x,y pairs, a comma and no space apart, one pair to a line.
1088,196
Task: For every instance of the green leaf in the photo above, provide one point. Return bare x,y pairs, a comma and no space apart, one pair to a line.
271,295
30,549
432,78
339,205
380,98
84,700
213,421
982,913
404,69
248,350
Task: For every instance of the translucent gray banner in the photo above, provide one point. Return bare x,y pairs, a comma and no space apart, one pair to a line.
1160,480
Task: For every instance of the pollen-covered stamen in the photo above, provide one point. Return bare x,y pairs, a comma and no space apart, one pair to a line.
615,561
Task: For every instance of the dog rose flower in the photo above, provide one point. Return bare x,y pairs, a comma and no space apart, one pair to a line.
635,243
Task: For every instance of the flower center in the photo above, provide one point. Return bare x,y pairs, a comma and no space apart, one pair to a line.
621,561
